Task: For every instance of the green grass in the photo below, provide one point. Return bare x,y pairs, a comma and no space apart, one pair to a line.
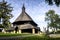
35,37
11,35
39,38
32,38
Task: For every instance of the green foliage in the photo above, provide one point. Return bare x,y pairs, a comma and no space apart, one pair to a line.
51,2
52,19
5,13
1,26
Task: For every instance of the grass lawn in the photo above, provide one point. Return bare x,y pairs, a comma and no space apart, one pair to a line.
39,38
12,35
34,37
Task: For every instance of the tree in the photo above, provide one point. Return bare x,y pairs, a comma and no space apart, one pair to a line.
52,19
57,3
5,11
51,2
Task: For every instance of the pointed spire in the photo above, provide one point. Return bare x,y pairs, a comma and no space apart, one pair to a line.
23,8
23,16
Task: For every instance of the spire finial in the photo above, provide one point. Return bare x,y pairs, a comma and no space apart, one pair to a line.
23,8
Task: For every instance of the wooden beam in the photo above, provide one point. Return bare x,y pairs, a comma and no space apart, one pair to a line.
33,31
20,31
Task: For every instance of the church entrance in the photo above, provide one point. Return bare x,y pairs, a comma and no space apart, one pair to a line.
26,30
16,29
36,30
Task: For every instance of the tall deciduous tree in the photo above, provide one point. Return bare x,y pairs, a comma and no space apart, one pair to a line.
52,19
57,3
5,13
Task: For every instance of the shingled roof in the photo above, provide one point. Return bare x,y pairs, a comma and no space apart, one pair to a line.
24,21
23,16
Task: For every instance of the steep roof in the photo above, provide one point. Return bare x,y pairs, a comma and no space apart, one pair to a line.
23,16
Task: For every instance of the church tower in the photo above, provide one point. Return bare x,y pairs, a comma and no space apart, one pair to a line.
25,23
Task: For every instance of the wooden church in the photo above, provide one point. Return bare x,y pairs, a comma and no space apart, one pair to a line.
25,23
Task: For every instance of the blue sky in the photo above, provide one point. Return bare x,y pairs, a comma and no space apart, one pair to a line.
35,8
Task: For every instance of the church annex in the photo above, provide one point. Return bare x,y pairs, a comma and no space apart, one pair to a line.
25,23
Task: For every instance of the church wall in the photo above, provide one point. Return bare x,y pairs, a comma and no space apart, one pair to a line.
25,26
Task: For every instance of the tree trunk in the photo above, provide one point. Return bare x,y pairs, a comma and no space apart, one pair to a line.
54,30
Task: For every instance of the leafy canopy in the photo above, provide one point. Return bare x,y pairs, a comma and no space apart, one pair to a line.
5,13
51,2
52,19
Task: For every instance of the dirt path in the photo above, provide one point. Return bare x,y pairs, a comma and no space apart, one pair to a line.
55,35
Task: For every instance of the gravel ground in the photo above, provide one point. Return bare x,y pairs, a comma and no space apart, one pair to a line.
55,35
